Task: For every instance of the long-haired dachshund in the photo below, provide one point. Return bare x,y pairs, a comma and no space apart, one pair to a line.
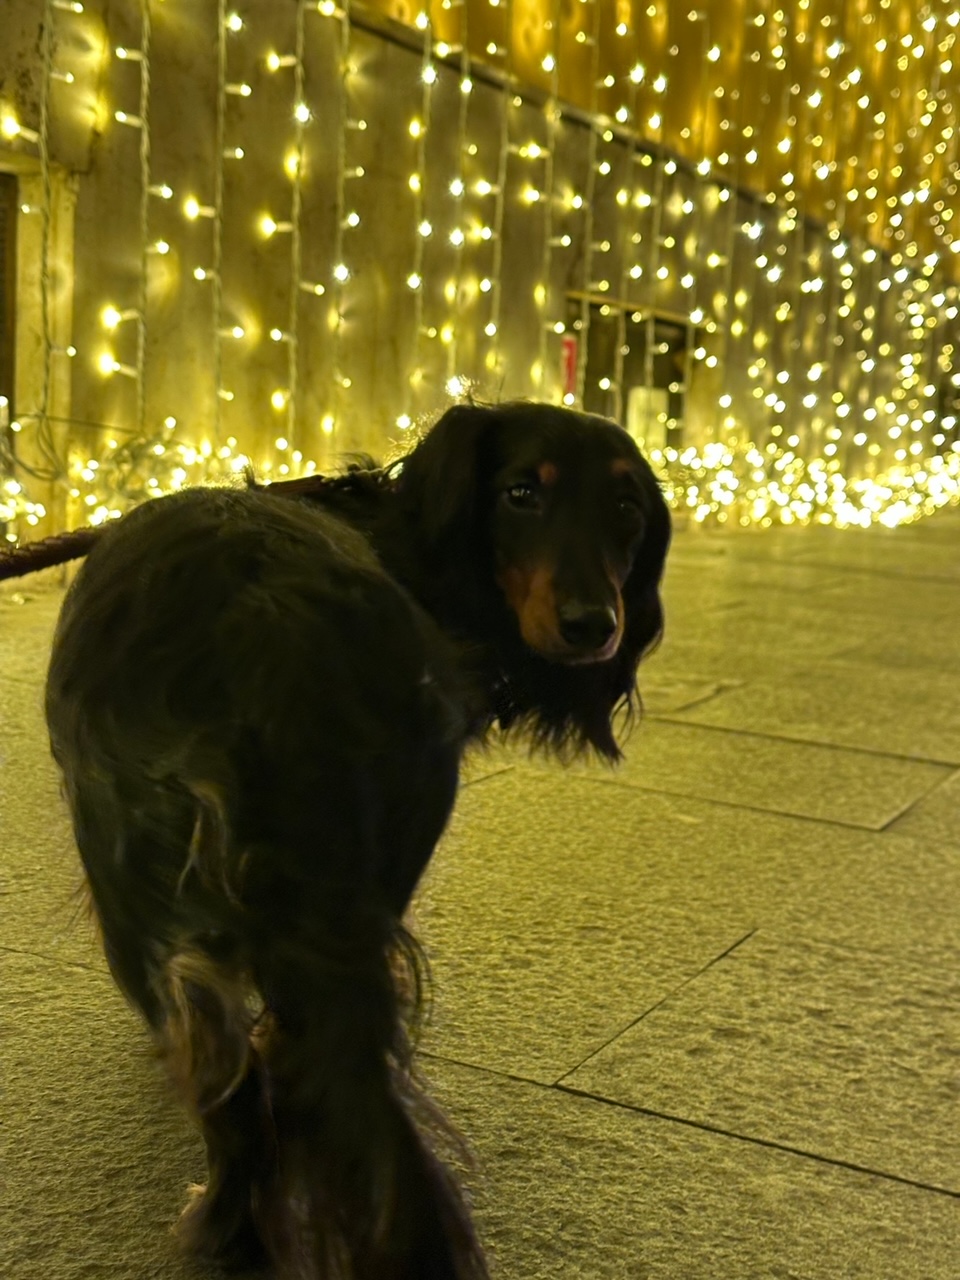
259,706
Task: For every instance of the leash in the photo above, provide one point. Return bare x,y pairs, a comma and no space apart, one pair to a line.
60,548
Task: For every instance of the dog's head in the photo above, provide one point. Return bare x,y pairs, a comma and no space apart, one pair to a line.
549,531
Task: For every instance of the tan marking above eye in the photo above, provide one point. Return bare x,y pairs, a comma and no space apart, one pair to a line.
548,473
621,467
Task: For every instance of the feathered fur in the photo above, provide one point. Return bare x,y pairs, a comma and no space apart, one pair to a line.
259,705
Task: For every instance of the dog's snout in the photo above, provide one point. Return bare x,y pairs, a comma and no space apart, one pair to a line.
586,626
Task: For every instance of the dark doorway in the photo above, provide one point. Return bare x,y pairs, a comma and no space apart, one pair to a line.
650,403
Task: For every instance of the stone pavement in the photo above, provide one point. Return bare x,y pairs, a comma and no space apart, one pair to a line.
698,1017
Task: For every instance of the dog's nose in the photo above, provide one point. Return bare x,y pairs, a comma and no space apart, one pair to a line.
587,626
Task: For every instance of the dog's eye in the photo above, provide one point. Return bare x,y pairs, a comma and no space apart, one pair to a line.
630,506
523,497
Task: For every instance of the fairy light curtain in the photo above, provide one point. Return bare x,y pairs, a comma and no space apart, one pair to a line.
301,227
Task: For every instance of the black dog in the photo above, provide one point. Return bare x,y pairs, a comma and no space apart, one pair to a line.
259,707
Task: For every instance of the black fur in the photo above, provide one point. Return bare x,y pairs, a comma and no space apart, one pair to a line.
259,705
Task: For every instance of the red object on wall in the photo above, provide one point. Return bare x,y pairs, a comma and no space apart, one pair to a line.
568,364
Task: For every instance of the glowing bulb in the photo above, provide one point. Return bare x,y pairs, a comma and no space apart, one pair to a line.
341,272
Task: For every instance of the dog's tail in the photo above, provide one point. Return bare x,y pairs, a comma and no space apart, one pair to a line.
360,1191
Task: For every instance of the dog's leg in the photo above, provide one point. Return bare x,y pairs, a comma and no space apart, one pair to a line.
219,1222
208,1042
371,1201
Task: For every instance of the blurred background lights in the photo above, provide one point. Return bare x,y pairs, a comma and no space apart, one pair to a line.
650,213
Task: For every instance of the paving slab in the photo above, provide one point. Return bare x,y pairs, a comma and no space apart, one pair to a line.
560,910
841,1052
95,1156
935,818
897,712
573,1187
765,771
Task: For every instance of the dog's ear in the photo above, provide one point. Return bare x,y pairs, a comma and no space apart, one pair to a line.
442,478
643,608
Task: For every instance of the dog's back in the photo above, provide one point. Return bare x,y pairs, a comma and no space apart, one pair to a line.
259,733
